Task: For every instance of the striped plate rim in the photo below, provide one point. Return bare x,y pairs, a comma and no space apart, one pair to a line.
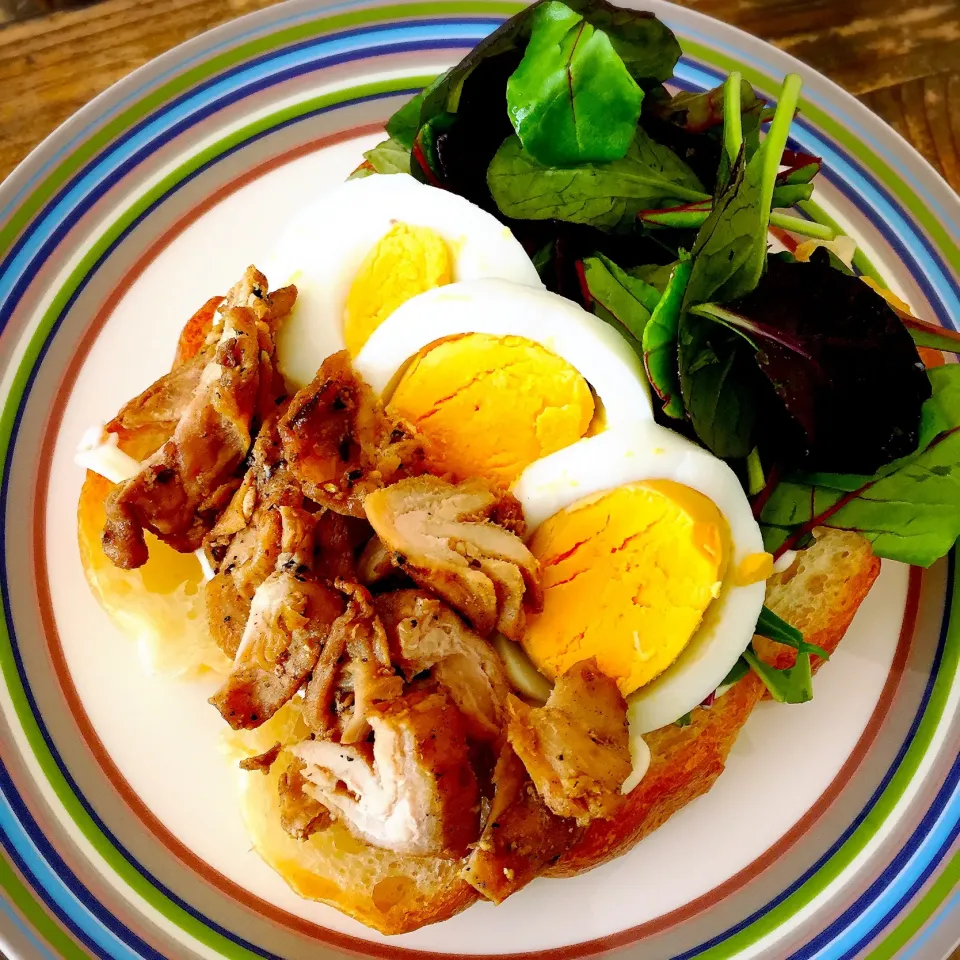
63,179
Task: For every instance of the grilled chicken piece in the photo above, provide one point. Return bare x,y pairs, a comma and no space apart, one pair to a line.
354,673
375,563
339,541
425,634
521,836
262,761
148,420
245,545
447,538
413,791
340,444
576,747
182,487
290,619
300,814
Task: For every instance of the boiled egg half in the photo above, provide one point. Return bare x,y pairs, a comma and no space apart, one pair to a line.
369,245
497,375
652,562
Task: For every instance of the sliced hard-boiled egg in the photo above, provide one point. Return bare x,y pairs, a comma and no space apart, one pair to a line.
652,562
364,248
496,375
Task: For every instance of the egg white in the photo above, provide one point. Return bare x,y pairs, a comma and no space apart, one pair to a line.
651,452
501,308
324,246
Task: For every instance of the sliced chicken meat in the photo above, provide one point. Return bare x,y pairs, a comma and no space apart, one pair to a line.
300,814
425,634
447,538
576,747
340,541
290,619
413,790
262,761
520,838
354,673
245,545
181,489
375,563
340,444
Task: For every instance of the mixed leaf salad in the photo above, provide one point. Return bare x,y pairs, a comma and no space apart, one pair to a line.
654,210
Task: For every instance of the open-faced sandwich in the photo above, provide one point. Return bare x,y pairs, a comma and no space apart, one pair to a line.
500,519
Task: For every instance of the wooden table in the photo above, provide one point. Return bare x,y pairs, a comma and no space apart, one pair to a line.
901,57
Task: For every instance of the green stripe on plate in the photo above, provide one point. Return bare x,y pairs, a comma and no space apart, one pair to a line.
222,62
22,897
921,913
71,804
887,801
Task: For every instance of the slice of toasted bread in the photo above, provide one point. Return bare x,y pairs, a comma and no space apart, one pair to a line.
160,605
385,890
820,593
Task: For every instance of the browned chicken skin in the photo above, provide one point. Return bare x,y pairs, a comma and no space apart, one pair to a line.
425,634
576,747
446,538
520,838
338,442
182,488
414,791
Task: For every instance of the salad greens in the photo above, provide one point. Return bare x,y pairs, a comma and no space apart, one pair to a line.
604,195
654,209
572,99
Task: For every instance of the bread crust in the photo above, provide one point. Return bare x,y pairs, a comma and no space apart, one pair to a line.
169,624
389,892
820,594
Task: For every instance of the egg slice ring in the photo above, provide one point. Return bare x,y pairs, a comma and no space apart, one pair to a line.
504,309
647,452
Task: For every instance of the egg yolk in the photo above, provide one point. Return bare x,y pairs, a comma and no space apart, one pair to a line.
627,577
407,260
489,406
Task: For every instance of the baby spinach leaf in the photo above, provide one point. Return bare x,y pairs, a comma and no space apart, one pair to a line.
790,194
403,125
772,627
572,100
792,685
619,298
911,515
647,46
660,351
601,194
737,672
389,156
658,276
